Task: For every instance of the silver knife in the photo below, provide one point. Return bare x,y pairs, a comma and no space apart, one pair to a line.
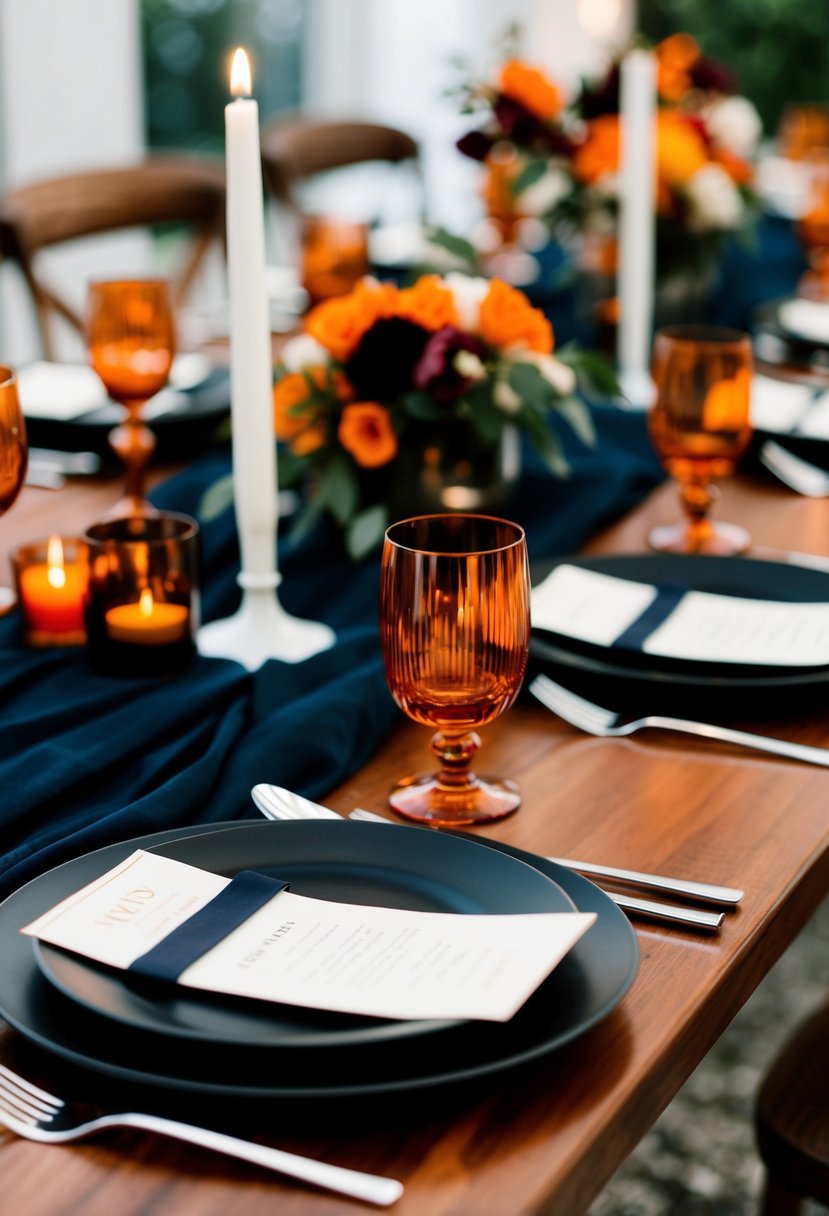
277,803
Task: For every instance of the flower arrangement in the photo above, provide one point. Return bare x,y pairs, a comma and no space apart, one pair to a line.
705,139
382,377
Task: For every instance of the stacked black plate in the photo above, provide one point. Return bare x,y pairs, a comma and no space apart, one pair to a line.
138,1032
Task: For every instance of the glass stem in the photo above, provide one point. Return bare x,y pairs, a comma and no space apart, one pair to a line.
697,499
455,751
134,443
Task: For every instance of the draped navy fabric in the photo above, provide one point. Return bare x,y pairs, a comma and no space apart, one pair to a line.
86,759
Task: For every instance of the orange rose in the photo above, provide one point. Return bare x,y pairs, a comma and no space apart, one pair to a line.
680,149
530,88
726,404
309,440
599,153
508,319
339,324
427,303
675,56
366,432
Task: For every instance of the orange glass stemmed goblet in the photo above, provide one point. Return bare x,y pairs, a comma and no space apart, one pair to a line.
455,628
14,455
130,335
699,425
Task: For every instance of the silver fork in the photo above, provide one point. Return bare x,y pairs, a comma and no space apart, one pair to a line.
795,472
596,720
277,803
33,1113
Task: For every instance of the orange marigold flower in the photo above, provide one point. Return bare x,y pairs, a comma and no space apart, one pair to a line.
508,319
427,303
599,153
289,393
366,432
531,88
309,440
726,405
680,149
675,56
339,324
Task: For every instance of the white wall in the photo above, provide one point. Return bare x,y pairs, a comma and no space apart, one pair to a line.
70,98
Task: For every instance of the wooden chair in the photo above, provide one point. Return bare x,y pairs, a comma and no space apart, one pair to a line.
297,147
792,1120
163,189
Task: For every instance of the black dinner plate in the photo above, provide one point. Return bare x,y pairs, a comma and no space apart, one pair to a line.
583,990
182,431
632,680
417,870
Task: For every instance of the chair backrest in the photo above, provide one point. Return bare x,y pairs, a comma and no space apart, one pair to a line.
298,147
175,189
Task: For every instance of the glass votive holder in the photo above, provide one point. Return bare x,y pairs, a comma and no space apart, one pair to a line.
142,609
50,578
334,256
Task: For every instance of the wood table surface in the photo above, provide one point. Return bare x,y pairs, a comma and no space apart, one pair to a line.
544,1140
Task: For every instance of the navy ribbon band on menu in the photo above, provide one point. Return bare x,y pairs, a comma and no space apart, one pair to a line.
243,896
668,595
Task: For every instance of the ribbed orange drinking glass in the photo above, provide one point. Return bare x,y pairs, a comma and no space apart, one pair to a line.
455,629
14,454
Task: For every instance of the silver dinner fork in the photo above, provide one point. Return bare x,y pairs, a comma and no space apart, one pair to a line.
31,1112
596,720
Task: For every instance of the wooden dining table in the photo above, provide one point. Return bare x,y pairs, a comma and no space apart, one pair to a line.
543,1140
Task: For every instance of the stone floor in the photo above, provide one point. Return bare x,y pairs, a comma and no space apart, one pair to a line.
699,1159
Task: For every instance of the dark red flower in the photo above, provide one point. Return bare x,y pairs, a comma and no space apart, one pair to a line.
476,144
711,75
435,371
382,367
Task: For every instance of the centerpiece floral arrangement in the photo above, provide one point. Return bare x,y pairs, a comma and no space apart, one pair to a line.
566,157
385,379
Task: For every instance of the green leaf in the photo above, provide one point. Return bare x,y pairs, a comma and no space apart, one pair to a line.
423,406
307,519
546,444
578,417
366,531
532,172
594,372
478,406
339,490
457,246
216,499
527,381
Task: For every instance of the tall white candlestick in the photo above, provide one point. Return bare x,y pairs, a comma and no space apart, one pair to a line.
637,224
261,629
251,360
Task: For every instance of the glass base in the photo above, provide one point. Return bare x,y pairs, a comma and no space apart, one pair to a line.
423,799
718,540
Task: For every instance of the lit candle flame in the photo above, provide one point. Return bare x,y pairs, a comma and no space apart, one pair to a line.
240,82
55,574
145,604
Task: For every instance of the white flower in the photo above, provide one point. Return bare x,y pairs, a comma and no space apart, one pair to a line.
467,364
303,351
543,195
734,123
714,201
468,294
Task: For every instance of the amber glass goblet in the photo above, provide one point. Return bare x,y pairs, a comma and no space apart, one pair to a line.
813,227
14,455
130,335
699,425
334,256
455,627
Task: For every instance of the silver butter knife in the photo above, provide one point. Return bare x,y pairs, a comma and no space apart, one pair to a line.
277,803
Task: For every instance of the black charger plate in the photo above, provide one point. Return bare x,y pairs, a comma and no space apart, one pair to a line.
417,870
582,991
632,680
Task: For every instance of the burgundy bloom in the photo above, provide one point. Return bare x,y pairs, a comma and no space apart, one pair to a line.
382,367
476,144
710,74
602,98
435,372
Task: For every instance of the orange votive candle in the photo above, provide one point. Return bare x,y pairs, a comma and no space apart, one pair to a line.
147,622
52,592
